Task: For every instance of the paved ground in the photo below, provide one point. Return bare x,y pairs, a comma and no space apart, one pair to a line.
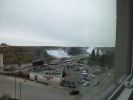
33,91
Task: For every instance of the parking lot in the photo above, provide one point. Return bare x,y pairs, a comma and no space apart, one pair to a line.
90,80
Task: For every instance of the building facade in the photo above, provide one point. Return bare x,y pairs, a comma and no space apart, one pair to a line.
49,77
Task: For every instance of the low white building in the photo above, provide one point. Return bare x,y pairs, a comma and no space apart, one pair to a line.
50,77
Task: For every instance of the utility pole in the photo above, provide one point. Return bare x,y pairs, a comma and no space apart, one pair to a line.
15,87
20,90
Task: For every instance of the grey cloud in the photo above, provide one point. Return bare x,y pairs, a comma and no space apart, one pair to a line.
76,22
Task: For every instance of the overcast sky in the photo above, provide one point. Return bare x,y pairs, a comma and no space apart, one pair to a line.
58,22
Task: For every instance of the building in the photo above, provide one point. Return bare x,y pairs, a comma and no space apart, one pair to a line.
48,76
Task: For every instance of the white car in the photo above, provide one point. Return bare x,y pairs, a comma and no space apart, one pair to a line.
84,73
81,64
85,83
81,68
91,75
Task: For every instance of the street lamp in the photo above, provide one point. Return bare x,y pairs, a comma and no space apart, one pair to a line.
20,89
15,87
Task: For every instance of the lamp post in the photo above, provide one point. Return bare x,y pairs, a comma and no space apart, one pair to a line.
15,87
20,90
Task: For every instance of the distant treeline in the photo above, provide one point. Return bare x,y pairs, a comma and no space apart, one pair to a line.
106,59
77,50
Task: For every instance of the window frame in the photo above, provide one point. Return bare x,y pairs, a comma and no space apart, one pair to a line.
124,46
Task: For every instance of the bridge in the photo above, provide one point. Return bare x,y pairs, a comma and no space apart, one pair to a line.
11,49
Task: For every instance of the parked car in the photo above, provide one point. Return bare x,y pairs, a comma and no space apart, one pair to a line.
84,73
72,84
74,92
86,84
91,75
81,64
96,83
87,78
81,68
65,83
97,72
81,81
76,69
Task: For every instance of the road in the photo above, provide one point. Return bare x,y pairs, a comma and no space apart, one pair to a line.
32,90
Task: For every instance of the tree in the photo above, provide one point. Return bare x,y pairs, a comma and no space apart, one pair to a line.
76,51
93,57
93,53
101,60
63,73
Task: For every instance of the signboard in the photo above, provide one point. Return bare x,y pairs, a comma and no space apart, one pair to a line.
48,77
